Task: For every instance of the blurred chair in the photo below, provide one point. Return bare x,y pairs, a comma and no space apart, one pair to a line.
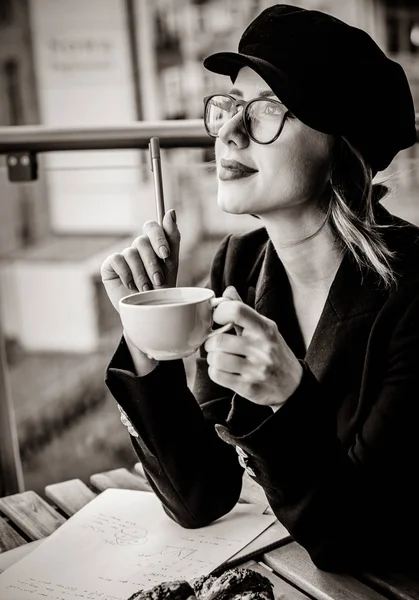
11,475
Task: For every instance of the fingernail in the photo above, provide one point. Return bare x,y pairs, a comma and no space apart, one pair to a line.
164,252
132,286
146,287
157,278
173,215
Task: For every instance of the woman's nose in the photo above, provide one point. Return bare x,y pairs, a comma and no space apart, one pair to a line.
233,131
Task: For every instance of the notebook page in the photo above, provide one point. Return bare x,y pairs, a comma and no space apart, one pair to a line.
123,541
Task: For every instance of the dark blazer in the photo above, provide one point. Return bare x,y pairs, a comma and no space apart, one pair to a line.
339,461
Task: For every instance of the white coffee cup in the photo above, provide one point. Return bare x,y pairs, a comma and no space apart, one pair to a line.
169,323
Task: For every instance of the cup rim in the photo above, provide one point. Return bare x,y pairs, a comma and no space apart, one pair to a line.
124,301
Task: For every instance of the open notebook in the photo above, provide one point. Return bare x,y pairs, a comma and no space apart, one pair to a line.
123,541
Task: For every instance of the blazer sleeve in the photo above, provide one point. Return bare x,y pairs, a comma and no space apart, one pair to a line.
194,473
349,506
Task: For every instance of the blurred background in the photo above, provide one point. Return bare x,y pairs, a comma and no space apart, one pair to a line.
77,63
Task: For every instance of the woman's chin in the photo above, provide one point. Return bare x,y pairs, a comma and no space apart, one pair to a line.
232,203
232,207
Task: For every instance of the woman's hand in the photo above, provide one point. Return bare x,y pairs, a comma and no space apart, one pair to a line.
258,364
151,262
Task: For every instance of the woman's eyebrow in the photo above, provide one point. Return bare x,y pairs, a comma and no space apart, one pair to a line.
265,94
262,94
235,92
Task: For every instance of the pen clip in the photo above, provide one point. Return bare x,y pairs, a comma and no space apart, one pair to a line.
151,156
154,147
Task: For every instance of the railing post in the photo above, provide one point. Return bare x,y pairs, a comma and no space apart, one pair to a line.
11,474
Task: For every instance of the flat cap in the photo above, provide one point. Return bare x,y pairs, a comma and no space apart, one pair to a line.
330,75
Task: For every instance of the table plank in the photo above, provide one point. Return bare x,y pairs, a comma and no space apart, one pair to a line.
252,493
139,470
397,586
9,538
118,478
69,495
276,534
282,589
31,514
7,559
294,564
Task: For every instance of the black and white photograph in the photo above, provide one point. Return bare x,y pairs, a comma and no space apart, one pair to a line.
209,300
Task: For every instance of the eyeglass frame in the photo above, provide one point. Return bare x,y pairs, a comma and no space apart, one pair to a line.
244,104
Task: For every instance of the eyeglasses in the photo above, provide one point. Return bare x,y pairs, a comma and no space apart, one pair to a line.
263,118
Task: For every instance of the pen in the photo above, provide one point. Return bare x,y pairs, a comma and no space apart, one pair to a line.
155,159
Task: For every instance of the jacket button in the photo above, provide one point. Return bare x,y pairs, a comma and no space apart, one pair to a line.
250,472
242,462
125,421
241,452
132,432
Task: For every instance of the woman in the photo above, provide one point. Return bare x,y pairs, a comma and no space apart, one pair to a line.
315,397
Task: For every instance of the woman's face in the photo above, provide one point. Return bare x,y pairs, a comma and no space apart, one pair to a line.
289,173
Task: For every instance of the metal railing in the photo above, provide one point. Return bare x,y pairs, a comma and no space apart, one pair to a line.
37,138
173,134
23,143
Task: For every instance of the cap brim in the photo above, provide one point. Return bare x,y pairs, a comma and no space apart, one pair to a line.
286,90
230,63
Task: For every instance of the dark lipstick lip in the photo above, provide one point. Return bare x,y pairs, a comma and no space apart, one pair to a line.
235,165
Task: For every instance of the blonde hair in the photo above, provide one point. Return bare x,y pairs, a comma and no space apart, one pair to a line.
351,214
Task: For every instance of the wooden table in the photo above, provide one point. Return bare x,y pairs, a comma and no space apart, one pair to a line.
28,518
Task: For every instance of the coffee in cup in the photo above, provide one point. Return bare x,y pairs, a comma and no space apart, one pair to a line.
169,323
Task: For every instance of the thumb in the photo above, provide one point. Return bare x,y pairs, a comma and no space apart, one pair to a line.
231,293
172,233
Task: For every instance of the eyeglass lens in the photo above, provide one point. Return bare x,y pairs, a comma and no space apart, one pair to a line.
262,117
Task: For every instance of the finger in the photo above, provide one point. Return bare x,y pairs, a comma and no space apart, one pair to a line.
172,233
138,271
165,239
107,271
231,293
116,267
225,342
157,238
229,363
240,314
227,380
216,301
150,261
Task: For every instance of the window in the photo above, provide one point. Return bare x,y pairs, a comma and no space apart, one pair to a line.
402,21
6,12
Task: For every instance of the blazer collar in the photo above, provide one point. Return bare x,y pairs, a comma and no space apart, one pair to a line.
351,292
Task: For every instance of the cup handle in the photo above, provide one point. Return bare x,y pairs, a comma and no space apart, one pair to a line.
222,329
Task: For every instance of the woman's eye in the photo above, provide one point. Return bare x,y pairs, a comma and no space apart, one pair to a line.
272,109
221,105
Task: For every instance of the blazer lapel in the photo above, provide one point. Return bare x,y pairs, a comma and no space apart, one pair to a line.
273,298
344,325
